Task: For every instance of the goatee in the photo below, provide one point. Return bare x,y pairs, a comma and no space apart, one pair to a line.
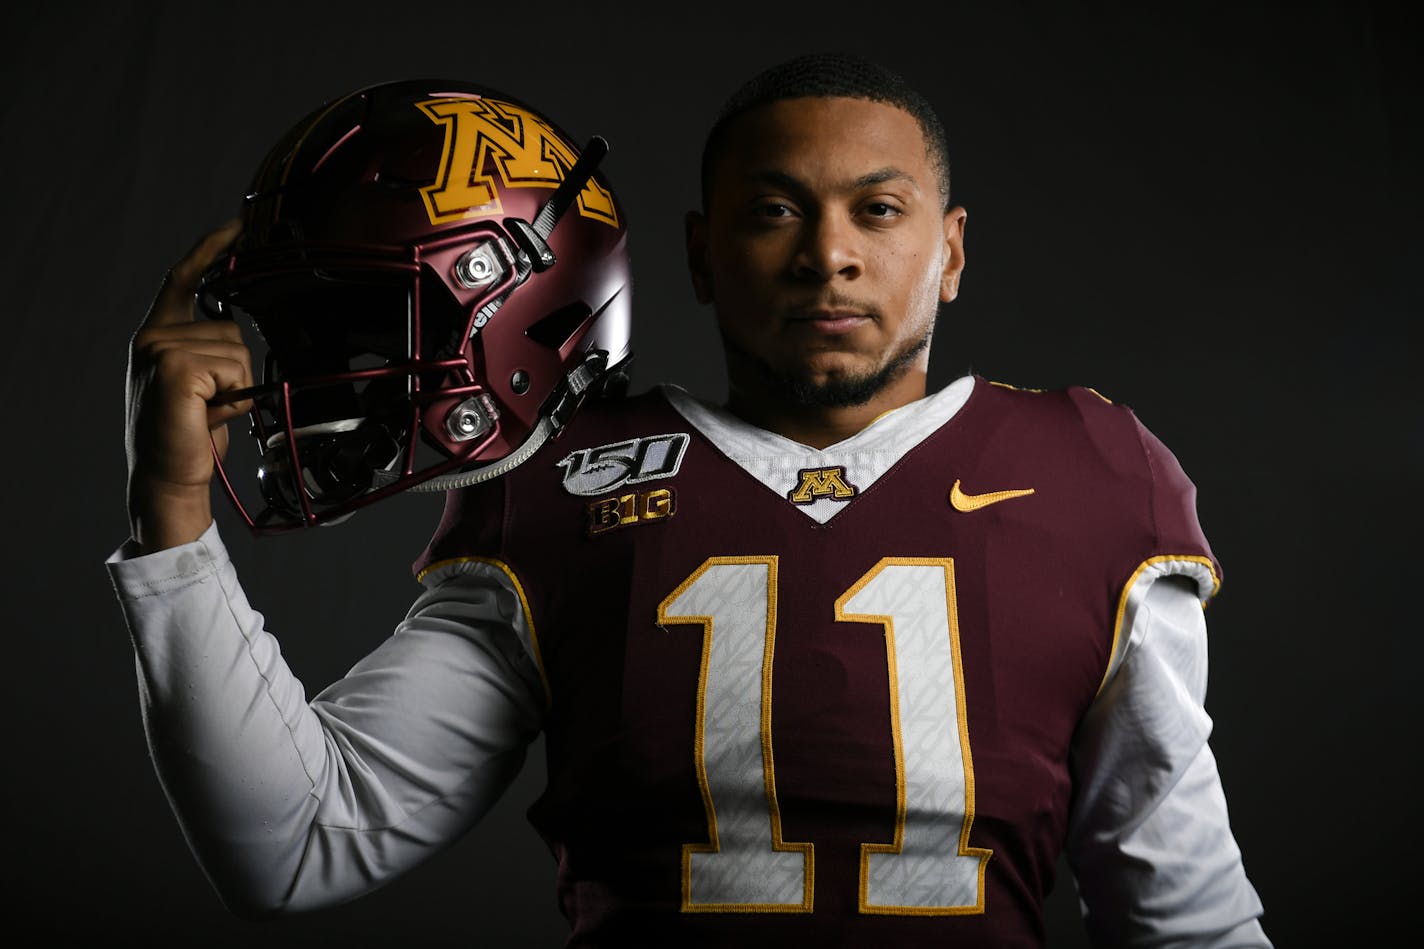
838,391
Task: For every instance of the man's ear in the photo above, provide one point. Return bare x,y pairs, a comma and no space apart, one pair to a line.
695,234
955,220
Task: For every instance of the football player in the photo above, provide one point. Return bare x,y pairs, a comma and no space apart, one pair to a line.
835,662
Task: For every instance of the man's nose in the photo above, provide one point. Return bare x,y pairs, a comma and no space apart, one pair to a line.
829,247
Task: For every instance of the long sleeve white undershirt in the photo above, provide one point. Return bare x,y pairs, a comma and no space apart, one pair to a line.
291,805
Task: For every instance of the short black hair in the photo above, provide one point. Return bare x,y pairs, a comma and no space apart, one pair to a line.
828,75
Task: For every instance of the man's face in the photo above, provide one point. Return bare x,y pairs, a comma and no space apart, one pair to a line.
825,249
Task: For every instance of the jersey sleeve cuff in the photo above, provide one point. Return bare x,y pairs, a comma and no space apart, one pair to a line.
135,574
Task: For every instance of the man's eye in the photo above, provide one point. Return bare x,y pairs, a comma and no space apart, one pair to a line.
881,209
772,209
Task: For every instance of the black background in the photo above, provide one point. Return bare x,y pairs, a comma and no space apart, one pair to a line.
1210,214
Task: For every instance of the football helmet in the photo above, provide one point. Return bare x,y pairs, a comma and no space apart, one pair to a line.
439,278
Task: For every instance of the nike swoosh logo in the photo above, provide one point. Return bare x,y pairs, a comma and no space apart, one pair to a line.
973,502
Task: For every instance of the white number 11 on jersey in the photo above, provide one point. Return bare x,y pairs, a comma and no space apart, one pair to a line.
928,868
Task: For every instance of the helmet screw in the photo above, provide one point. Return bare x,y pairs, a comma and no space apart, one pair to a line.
519,382
476,268
470,419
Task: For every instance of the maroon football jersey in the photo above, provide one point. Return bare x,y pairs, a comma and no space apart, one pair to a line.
767,731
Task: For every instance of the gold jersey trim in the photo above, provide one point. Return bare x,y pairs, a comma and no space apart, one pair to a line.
513,578
1197,567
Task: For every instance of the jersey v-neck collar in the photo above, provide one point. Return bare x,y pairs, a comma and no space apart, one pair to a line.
779,463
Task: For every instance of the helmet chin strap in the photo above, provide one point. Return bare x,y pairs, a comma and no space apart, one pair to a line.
533,238
464,479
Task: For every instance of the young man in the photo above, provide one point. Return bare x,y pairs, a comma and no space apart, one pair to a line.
837,663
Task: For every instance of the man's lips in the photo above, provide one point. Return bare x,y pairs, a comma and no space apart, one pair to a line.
831,322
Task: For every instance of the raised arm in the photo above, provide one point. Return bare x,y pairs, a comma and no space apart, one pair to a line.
291,805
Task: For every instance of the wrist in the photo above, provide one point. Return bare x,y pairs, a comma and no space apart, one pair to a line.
163,515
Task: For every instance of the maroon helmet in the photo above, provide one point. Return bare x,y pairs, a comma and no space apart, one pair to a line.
439,278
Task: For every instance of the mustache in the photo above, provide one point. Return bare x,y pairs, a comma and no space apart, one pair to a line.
833,301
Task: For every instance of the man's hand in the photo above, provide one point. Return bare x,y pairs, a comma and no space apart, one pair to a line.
176,364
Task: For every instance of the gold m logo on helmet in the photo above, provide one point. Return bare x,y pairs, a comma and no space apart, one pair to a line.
526,152
816,483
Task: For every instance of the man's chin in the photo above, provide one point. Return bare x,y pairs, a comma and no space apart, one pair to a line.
828,390
827,386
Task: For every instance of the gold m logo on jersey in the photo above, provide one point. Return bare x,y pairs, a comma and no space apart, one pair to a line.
816,483
524,150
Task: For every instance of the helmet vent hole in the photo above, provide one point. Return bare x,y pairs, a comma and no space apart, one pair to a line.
557,329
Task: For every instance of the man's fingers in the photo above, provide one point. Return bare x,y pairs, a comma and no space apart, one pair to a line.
220,415
182,334
182,357
171,423
174,303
